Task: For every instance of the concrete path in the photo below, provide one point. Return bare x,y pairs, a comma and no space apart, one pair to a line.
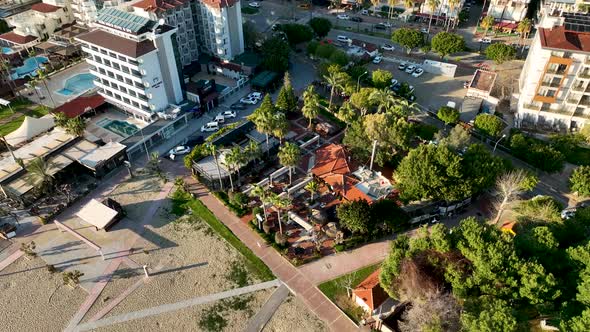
298,282
176,306
10,259
257,323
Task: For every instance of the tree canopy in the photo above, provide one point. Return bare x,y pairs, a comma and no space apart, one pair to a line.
408,38
500,53
286,100
275,55
489,124
381,78
445,43
448,115
321,26
297,33
580,180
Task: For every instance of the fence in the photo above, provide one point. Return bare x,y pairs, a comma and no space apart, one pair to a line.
228,91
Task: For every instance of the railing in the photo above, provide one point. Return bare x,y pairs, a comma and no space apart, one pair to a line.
532,107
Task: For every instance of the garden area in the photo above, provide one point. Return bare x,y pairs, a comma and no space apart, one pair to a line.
12,117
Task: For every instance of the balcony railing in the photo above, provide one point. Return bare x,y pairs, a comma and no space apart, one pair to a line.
585,75
532,107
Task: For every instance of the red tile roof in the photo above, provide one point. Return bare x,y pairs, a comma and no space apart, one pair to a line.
561,39
44,8
118,44
16,38
79,105
158,6
220,3
370,291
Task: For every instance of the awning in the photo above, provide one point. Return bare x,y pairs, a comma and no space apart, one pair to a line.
18,186
58,163
80,105
102,154
97,214
46,46
30,128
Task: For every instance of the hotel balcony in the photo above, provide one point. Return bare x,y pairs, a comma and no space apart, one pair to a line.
532,107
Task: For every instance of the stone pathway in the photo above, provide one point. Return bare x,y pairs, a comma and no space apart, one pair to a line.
258,322
176,306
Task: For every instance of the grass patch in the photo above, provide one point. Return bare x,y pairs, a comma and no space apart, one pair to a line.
249,10
11,126
238,275
578,156
182,201
335,290
38,111
425,131
236,209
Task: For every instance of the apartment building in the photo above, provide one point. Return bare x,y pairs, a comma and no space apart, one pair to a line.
40,21
442,11
86,11
555,80
508,10
219,25
135,62
176,13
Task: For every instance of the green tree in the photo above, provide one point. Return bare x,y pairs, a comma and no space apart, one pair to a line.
280,203
391,132
286,100
487,23
346,113
481,168
500,53
76,126
336,79
381,78
524,28
289,156
580,180
297,33
490,315
445,43
264,197
313,187
234,158
408,38
353,216
311,104
280,126
42,77
251,35
458,138
537,285
448,115
579,323
339,57
361,100
489,124
321,26
61,120
264,118
275,55
38,175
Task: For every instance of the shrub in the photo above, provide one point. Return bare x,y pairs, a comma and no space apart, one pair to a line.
448,115
536,153
312,46
580,180
489,124
324,50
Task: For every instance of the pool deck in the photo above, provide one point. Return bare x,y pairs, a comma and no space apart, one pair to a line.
105,134
55,83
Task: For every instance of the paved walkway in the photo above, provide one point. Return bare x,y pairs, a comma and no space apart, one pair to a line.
176,306
298,282
257,323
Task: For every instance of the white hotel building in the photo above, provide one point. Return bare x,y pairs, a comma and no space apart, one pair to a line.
134,61
219,23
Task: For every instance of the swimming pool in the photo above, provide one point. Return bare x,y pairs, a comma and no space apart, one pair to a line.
119,127
7,50
77,84
29,67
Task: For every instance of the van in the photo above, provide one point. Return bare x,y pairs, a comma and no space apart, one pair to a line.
219,119
210,126
343,39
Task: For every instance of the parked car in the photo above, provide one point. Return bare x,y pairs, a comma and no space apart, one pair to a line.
418,72
228,114
377,59
257,95
237,106
254,4
356,19
424,30
210,126
250,101
388,47
343,39
485,40
386,24
568,213
219,119
410,69
394,82
402,66
193,141
180,150
304,6
343,17
379,27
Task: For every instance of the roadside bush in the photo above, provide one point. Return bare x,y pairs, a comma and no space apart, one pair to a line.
312,46
228,201
448,115
536,153
324,50
489,124
580,180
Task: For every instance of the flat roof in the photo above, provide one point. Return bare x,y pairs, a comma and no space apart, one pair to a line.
124,21
97,214
483,80
264,78
118,44
105,152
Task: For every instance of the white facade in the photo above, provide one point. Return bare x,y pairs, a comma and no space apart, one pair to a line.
40,21
443,9
135,71
554,88
86,11
220,28
508,10
181,17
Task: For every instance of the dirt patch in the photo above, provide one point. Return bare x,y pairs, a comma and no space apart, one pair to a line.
291,316
26,286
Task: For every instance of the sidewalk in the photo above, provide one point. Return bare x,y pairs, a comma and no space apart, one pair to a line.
298,282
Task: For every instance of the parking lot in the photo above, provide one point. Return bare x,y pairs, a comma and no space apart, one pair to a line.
432,91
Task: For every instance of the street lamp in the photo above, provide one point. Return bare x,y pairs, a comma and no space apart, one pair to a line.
358,81
498,141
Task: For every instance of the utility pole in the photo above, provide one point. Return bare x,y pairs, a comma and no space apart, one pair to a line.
373,154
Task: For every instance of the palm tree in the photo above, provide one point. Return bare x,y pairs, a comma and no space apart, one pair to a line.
60,119
41,76
252,151
432,5
311,104
262,194
384,99
280,126
76,126
33,84
212,149
524,28
346,113
38,174
264,118
7,69
487,23
289,156
280,203
451,15
313,187
234,158
334,79
375,3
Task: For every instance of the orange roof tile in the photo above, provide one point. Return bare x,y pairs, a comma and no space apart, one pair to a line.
45,8
158,5
330,159
370,291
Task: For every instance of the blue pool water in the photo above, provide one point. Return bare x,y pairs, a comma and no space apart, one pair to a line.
119,127
7,50
78,84
29,67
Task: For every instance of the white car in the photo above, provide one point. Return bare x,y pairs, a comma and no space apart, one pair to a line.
180,150
402,66
410,69
377,59
256,95
254,4
424,30
388,47
386,24
210,126
568,213
485,40
249,101
343,39
343,17
418,72
394,82
227,114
